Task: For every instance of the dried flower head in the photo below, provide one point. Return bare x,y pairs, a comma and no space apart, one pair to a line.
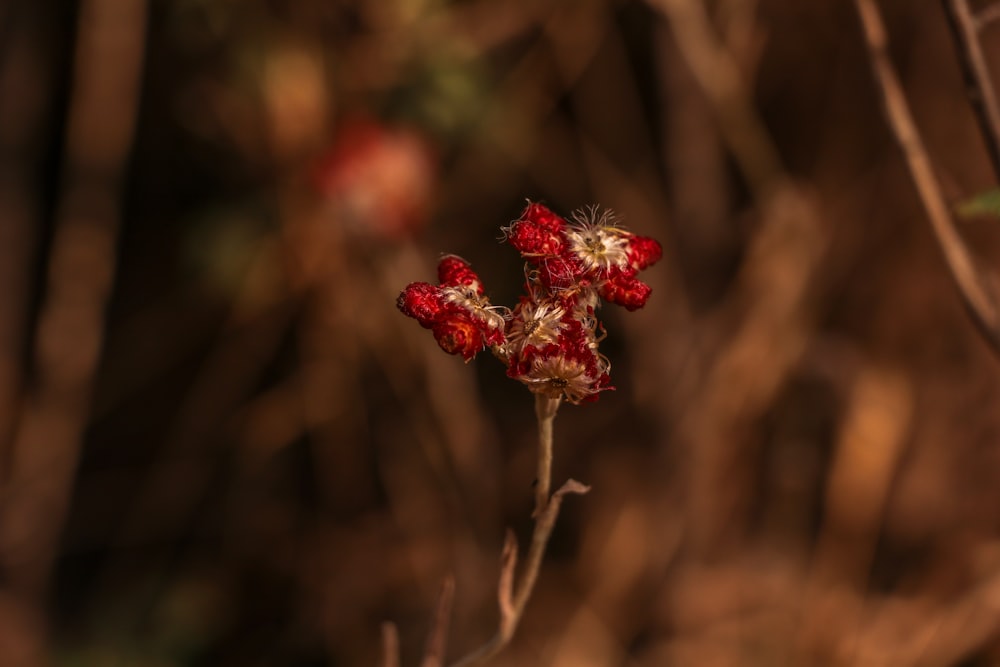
565,365
596,242
536,322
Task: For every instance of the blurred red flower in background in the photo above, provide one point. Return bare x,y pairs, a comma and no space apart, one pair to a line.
378,179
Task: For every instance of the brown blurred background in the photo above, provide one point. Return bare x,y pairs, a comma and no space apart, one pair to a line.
223,445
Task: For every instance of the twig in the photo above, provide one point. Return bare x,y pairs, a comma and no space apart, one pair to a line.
390,645
716,70
977,75
543,529
512,602
987,15
978,295
81,271
512,607
505,584
741,33
772,301
21,122
438,639
867,456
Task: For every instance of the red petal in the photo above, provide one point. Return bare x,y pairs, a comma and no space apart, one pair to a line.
421,301
454,271
543,217
644,251
459,335
530,239
626,291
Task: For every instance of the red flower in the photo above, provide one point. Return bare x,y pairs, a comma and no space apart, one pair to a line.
577,374
592,251
625,289
552,348
538,232
454,272
643,252
377,178
460,317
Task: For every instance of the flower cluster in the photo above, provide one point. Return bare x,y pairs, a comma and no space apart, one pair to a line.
549,340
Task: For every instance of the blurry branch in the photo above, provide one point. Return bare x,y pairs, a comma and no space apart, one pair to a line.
485,24
718,74
26,80
512,599
25,88
741,32
438,640
866,458
256,323
699,174
917,630
987,15
81,267
699,178
770,301
976,290
977,75
390,645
